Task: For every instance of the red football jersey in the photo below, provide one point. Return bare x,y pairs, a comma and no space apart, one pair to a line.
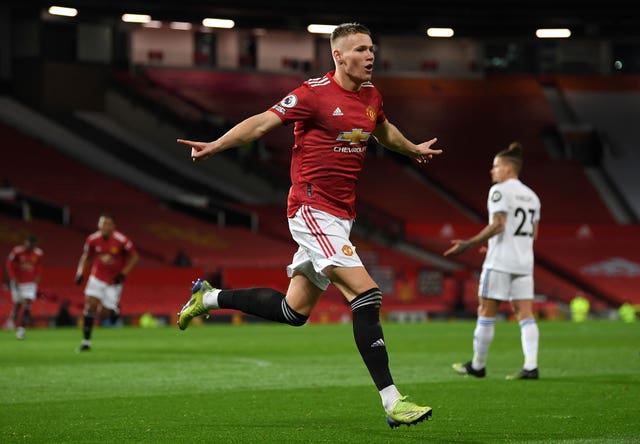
109,255
332,130
24,266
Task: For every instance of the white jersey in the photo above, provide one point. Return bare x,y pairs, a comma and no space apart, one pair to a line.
512,250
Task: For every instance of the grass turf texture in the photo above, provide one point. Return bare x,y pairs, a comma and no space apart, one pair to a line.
267,383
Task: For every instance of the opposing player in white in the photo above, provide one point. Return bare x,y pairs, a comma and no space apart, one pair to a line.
507,271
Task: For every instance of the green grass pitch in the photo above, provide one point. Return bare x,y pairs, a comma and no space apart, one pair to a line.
268,383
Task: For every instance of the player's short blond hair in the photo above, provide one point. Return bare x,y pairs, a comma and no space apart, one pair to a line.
346,29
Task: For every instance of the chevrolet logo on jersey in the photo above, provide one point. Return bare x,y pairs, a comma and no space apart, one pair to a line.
354,137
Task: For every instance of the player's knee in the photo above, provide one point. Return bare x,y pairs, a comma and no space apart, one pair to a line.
290,316
296,320
369,300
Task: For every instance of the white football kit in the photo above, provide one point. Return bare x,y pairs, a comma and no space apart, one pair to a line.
507,271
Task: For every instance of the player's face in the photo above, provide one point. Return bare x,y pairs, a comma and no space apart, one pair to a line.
499,170
106,226
356,52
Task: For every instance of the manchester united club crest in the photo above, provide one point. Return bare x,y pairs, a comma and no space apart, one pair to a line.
371,113
347,250
106,258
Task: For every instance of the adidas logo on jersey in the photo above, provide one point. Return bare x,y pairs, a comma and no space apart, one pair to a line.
338,112
378,343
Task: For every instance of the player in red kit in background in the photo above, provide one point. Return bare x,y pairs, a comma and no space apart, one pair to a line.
24,265
334,118
111,256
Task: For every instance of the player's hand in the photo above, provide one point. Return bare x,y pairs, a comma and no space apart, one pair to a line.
459,247
199,150
426,153
79,278
119,279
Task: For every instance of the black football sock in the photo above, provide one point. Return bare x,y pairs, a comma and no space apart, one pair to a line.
367,332
87,326
26,317
263,302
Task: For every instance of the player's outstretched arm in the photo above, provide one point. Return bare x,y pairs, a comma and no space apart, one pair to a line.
391,137
496,226
244,132
459,246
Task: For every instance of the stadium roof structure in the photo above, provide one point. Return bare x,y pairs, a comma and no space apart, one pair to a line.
469,18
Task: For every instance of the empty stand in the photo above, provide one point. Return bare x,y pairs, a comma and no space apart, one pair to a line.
605,257
234,95
473,119
158,232
399,191
610,106
160,95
